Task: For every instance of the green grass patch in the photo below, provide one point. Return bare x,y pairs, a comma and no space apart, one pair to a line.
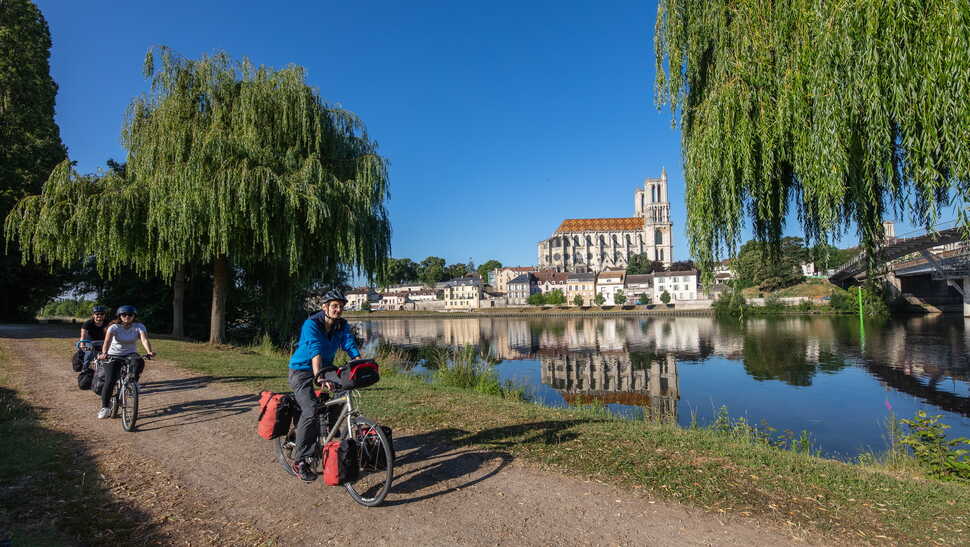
718,470
52,493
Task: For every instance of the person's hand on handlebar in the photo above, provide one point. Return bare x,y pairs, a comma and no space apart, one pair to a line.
150,355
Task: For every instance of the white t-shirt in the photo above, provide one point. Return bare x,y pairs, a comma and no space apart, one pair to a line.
124,340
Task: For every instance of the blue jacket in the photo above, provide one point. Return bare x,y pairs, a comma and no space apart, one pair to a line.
314,341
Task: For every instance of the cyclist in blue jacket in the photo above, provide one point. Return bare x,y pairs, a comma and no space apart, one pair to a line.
323,333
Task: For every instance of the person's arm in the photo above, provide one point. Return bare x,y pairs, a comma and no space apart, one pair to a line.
143,335
108,335
350,345
84,334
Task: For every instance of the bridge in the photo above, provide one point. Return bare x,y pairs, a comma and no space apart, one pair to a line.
936,263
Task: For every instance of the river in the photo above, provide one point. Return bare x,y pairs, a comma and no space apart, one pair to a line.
824,375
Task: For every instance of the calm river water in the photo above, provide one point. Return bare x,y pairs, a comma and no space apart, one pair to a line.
818,374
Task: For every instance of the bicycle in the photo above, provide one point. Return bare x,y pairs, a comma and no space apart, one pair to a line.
374,453
125,397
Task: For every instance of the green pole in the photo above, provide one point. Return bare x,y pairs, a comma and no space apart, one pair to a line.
862,325
859,293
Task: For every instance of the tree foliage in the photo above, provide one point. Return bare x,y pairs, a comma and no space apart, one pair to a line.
757,264
432,270
682,266
485,269
640,264
555,297
536,299
599,299
665,297
619,297
230,164
844,110
30,146
577,300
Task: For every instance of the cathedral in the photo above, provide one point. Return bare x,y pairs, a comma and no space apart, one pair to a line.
592,245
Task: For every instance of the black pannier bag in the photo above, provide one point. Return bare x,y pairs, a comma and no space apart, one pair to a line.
84,379
97,383
77,360
372,453
358,374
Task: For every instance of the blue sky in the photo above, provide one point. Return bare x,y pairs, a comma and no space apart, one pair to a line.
499,120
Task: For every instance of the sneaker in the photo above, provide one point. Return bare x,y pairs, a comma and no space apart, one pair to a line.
302,469
104,413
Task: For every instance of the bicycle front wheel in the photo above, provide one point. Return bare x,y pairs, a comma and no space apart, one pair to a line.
374,461
129,405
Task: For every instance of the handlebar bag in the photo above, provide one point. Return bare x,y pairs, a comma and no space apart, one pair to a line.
340,462
359,373
275,414
77,360
84,379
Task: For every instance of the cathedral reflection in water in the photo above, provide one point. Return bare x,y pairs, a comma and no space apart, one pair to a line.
612,378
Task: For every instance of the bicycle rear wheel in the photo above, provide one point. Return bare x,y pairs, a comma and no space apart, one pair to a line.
284,450
129,404
376,467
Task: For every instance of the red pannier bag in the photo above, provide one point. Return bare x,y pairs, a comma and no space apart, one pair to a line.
275,414
359,373
340,462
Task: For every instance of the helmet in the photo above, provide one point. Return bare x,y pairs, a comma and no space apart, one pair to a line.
334,294
127,309
99,309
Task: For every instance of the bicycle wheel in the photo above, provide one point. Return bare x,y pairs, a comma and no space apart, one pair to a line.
284,450
129,404
376,468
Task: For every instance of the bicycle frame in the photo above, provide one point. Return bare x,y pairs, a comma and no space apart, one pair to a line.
346,413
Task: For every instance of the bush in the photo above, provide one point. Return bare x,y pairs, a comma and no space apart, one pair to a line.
643,300
537,299
873,303
619,298
665,297
941,457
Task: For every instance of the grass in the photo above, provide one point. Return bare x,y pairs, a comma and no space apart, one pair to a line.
51,488
718,470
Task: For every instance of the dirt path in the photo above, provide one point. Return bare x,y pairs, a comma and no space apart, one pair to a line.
204,477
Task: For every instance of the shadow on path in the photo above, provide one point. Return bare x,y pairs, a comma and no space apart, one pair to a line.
432,460
195,412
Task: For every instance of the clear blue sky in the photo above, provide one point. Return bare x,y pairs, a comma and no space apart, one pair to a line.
499,119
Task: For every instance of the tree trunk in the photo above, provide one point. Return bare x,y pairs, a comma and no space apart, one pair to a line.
178,304
220,287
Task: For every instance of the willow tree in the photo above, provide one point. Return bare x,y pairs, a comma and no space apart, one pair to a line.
239,166
842,110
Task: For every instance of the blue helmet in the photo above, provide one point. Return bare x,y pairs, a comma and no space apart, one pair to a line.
99,309
127,309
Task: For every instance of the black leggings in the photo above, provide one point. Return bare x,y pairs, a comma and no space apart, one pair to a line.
112,370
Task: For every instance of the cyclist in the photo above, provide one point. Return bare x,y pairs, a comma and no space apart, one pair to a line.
93,329
120,340
323,333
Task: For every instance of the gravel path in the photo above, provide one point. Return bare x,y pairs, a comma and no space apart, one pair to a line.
196,473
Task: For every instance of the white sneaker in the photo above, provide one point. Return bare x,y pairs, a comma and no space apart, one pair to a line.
104,413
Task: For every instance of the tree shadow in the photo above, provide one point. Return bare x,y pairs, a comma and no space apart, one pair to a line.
195,382
195,412
431,458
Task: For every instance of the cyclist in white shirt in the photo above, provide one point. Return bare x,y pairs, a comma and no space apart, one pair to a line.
120,339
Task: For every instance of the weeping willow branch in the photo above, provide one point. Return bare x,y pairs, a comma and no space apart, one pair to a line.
844,110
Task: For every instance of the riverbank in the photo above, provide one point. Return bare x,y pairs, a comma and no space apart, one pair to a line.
722,471
547,311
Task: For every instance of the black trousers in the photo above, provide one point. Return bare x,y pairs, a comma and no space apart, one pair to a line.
112,370
308,426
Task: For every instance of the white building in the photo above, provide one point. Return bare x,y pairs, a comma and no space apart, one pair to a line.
608,283
357,296
680,285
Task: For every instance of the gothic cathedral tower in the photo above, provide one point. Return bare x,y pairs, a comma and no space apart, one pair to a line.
651,204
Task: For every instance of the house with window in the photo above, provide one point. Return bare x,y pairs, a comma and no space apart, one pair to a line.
393,300
636,285
499,277
463,294
550,280
357,296
582,285
520,289
680,285
608,283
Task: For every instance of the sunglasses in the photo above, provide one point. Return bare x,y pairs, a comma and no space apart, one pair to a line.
126,314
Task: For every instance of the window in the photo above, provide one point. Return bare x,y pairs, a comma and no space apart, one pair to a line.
658,238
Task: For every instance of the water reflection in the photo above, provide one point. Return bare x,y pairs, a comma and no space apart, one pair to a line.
814,373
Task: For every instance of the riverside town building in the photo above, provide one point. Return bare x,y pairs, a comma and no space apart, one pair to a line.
593,245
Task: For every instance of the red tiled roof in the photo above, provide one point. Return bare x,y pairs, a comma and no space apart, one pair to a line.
600,224
551,276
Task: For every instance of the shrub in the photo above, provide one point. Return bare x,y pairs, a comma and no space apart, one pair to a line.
665,297
643,300
941,457
619,298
